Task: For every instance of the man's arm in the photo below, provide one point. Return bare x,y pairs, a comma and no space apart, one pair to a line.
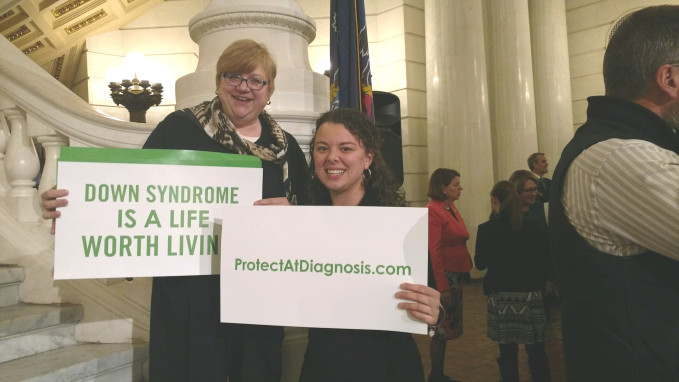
623,197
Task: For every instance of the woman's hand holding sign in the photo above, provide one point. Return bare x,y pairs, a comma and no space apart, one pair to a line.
424,303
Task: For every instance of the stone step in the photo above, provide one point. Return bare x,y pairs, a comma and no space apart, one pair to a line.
28,329
81,362
11,277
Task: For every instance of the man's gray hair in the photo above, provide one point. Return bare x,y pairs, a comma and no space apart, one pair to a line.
640,43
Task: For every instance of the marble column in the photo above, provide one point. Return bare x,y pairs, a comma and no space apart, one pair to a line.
510,78
281,25
458,121
551,76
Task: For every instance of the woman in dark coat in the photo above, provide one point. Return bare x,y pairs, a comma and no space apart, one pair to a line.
514,248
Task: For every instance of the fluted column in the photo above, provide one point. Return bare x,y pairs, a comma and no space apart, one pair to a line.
512,101
458,119
4,139
551,74
22,167
281,25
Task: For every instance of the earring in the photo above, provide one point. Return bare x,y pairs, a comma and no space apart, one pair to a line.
216,92
312,174
370,175
268,102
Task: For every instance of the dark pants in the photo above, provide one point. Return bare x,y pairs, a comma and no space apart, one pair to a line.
537,360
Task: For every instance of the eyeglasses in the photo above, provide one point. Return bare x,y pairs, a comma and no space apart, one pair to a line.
534,189
253,83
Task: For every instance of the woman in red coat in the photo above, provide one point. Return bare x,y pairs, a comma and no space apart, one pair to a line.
450,261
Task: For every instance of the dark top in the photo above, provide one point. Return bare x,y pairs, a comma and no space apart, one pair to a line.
517,261
544,185
620,315
537,210
182,131
341,355
187,340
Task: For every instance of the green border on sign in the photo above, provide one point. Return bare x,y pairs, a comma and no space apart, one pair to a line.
157,156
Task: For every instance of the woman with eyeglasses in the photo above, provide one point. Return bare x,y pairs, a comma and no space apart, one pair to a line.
187,341
526,184
513,246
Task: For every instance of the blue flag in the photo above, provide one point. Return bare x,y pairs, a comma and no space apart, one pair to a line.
350,82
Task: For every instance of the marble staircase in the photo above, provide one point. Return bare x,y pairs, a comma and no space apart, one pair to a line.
37,342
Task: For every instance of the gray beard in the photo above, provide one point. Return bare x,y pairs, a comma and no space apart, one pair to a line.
672,118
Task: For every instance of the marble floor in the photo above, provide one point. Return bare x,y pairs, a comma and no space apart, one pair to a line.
471,358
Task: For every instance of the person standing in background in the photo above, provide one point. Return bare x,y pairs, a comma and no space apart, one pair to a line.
514,248
537,163
450,261
526,184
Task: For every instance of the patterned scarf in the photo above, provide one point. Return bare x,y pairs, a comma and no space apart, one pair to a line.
218,126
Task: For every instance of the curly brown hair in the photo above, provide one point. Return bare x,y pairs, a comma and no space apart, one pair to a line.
381,182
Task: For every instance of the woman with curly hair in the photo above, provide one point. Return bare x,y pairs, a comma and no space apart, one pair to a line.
347,169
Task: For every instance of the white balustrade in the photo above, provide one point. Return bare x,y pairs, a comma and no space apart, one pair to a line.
52,144
22,167
4,138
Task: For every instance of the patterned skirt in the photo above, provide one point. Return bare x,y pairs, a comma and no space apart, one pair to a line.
516,317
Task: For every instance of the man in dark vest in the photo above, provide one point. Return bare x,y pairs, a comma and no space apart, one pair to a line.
614,212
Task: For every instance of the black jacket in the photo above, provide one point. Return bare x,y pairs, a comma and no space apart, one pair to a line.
517,261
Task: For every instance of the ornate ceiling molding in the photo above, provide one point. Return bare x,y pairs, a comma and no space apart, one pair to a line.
56,68
68,7
22,31
223,21
6,15
88,21
38,45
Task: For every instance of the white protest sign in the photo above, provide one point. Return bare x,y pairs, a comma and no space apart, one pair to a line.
144,213
333,267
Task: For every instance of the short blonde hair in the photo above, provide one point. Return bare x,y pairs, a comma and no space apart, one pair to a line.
243,56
